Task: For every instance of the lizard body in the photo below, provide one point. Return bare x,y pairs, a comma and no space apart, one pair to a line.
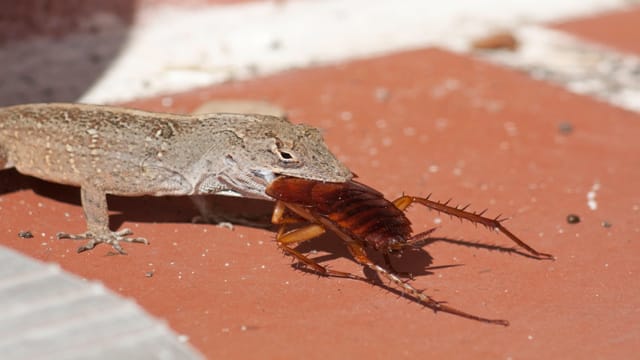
112,150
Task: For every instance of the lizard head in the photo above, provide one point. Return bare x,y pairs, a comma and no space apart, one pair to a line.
272,146
295,150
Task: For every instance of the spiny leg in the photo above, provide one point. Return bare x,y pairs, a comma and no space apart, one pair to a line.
361,257
419,237
281,216
299,235
404,201
303,234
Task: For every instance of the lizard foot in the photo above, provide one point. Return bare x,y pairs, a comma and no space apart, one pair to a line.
112,237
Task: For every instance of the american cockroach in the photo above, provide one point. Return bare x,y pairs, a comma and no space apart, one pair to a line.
362,217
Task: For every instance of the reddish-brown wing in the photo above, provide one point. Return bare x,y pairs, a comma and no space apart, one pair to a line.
356,209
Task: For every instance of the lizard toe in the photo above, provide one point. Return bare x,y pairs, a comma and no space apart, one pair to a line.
88,246
113,238
122,233
83,236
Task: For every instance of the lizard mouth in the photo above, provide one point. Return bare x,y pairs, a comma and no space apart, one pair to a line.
266,175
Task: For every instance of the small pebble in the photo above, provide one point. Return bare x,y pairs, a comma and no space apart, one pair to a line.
573,219
565,128
25,234
606,224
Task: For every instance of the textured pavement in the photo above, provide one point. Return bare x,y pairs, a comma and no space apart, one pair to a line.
427,120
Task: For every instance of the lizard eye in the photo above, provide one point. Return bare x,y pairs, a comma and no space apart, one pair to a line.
285,157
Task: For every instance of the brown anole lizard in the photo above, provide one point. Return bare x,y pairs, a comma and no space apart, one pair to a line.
112,150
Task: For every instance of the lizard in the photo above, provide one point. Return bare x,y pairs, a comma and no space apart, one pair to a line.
127,152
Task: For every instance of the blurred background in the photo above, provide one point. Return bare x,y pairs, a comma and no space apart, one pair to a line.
116,51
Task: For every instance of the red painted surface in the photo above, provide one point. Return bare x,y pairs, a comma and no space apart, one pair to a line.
617,29
415,122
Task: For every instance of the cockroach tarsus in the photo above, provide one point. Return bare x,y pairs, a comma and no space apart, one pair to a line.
362,217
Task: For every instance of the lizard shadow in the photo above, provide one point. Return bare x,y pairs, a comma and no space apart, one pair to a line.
414,260
145,209
180,209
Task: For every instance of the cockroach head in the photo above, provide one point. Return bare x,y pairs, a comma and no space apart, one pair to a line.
384,243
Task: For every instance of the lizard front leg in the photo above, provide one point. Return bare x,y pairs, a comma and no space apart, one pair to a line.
96,212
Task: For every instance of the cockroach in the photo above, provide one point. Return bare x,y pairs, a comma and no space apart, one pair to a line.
362,217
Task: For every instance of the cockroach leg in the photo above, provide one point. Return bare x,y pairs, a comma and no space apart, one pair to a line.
420,237
361,257
495,224
302,234
280,215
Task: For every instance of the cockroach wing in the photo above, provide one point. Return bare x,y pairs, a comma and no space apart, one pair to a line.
291,190
317,194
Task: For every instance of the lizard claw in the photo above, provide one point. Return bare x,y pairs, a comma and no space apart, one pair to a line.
112,237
